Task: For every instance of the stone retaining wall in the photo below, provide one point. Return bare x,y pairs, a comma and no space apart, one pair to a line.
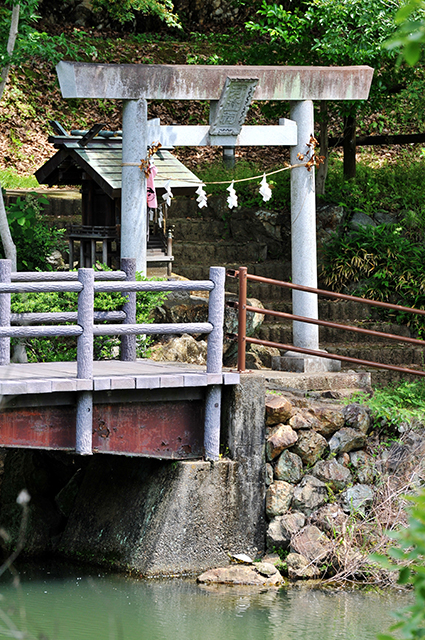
325,472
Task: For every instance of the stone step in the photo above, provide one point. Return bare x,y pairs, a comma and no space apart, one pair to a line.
218,253
193,230
281,380
398,354
282,332
331,310
267,269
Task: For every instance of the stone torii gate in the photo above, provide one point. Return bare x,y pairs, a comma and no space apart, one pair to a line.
230,90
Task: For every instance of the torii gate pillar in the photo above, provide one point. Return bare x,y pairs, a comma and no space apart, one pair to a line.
133,189
303,249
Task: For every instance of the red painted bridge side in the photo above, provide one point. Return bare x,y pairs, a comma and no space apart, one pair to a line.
167,429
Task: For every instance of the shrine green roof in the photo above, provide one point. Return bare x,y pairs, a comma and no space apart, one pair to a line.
102,161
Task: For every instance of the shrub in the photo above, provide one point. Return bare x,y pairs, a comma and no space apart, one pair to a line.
59,349
385,264
33,237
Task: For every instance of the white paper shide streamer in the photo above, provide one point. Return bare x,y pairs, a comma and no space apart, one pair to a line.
232,198
168,193
202,196
265,190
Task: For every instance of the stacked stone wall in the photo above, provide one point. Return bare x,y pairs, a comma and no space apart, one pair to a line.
328,472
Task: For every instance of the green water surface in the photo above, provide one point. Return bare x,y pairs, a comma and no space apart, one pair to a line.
63,604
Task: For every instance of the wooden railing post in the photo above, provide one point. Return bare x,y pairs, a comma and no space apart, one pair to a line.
128,343
242,318
5,277
85,362
214,364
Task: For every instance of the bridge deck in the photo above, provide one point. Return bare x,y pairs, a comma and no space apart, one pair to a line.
53,377
143,408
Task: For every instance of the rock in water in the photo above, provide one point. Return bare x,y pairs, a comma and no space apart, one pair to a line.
239,574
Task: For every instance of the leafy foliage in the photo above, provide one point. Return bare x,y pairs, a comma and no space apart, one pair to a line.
396,404
394,188
124,10
33,237
411,553
385,264
330,31
59,349
410,35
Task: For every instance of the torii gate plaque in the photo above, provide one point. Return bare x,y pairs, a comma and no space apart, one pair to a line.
136,83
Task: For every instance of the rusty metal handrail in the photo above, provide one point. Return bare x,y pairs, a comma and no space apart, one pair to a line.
242,274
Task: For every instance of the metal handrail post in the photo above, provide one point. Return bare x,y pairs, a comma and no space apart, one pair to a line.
5,277
84,426
242,318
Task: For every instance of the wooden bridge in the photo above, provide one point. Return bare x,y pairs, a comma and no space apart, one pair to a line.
129,407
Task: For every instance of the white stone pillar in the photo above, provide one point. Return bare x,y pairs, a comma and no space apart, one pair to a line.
133,190
304,251
303,230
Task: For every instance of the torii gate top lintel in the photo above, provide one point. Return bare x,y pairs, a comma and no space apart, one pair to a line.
203,82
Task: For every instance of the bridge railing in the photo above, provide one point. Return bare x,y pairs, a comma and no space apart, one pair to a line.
87,282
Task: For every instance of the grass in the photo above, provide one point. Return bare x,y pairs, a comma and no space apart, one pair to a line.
10,179
397,404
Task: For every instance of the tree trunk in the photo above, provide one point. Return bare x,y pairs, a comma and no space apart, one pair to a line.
13,32
6,238
5,235
349,146
322,170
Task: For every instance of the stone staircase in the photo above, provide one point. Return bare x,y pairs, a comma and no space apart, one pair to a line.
201,242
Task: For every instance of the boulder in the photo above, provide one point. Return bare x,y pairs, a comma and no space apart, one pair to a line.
357,417
330,418
358,498
346,439
289,467
309,495
300,567
266,569
278,409
325,419
382,217
333,474
330,518
269,474
282,438
310,446
282,528
304,420
240,574
360,220
278,498
263,356
311,543
182,349
364,465
344,459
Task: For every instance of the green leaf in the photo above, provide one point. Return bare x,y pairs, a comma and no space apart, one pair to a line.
404,575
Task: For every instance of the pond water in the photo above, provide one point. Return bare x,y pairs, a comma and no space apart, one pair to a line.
64,604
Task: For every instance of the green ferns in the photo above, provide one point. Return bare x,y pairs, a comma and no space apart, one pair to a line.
384,264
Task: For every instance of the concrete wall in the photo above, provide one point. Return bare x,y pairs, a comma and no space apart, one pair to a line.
150,517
